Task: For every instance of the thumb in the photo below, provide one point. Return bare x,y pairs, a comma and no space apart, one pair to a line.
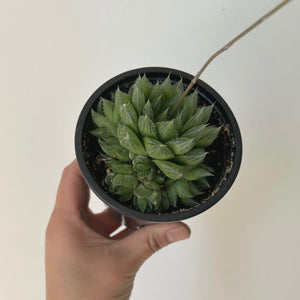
144,242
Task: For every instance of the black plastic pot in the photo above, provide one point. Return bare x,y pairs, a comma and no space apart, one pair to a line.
225,155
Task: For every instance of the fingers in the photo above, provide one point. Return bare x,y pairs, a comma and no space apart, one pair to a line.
142,243
106,222
73,192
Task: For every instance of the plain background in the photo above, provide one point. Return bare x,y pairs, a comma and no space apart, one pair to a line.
54,54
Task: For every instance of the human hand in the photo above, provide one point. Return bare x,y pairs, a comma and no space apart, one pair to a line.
82,261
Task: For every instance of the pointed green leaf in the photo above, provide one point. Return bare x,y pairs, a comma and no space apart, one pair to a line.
159,179
164,200
98,119
147,110
121,98
178,88
108,108
190,103
109,178
156,105
119,167
126,197
124,183
195,132
195,174
141,159
129,116
200,117
151,174
101,132
142,203
192,158
147,127
152,185
138,100
100,107
202,184
179,121
182,188
142,191
194,189
129,140
189,202
208,137
144,85
172,195
132,156
181,145
156,149
162,116
114,150
170,169
155,198
156,92
166,88
166,130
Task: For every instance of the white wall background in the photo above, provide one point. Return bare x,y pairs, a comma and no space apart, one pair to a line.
54,54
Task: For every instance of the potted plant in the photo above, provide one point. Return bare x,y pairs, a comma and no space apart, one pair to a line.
152,155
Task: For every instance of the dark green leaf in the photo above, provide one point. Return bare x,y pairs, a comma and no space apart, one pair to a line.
166,88
156,149
189,202
108,108
138,100
172,195
114,150
194,189
141,159
162,116
101,132
156,92
159,179
119,167
182,188
196,174
190,104
147,110
109,178
166,130
98,119
170,169
195,132
124,183
181,145
192,158
100,107
129,140
178,88
132,156
147,127
142,191
155,198
129,116
201,117
202,184
144,85
165,200
152,185
156,105
121,98
208,137
142,203
126,197
151,174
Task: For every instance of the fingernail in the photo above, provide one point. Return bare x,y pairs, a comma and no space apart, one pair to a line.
177,234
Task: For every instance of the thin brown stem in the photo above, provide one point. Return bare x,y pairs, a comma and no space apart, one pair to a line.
227,46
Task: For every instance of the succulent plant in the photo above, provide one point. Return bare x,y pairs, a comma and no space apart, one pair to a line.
153,148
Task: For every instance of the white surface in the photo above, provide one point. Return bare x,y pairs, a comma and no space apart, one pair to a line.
54,54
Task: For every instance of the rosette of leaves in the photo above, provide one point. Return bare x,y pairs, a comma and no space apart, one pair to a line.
154,153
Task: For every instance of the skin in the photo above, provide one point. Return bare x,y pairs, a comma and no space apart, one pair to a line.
82,260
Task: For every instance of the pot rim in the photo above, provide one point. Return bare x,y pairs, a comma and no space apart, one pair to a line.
119,207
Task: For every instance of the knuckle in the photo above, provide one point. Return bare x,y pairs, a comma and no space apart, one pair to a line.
155,243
